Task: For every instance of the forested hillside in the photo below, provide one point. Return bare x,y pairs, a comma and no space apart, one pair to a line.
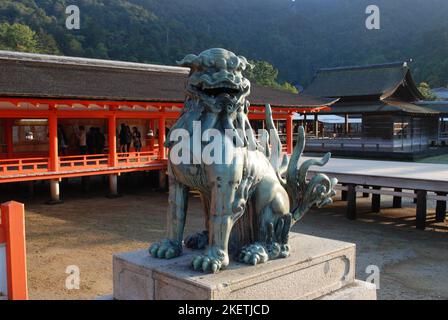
297,37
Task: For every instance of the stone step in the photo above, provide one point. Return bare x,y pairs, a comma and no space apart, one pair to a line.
358,290
316,267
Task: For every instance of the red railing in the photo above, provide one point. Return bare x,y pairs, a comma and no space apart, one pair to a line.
13,252
25,165
136,158
84,162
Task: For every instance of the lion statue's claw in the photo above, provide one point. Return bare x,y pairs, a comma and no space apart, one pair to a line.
166,249
213,261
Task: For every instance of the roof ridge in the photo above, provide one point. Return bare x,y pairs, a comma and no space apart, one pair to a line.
369,66
89,62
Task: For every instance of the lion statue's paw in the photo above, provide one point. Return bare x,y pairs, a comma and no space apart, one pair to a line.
213,261
257,253
166,249
253,254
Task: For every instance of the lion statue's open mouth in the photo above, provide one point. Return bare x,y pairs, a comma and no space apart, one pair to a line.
217,74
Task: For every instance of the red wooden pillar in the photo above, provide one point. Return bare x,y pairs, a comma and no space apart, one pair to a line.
53,142
289,134
162,138
112,140
13,223
8,137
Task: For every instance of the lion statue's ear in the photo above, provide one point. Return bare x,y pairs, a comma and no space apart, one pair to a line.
244,64
190,61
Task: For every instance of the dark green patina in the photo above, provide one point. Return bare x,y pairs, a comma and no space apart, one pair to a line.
250,201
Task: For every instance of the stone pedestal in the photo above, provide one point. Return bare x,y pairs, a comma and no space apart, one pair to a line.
317,269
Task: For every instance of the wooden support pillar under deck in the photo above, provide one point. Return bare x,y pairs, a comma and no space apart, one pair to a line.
113,186
55,192
316,126
289,134
397,199
351,204
441,208
162,138
421,209
376,200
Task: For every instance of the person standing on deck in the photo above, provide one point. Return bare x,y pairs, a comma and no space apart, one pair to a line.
82,140
137,139
100,141
62,141
125,138
90,139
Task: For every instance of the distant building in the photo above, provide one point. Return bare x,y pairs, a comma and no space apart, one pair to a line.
395,121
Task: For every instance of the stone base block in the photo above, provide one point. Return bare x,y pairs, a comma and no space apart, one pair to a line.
316,267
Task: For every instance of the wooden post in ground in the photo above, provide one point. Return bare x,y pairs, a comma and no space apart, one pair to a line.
12,229
351,204
346,125
397,199
421,209
441,208
365,194
344,193
376,200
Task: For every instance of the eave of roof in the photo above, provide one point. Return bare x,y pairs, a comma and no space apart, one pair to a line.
45,76
438,106
88,62
379,81
384,106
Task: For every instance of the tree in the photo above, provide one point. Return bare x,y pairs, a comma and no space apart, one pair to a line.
425,90
264,73
18,37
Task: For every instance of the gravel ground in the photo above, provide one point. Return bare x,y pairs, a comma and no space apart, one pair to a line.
87,229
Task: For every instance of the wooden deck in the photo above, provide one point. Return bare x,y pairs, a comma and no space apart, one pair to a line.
427,182
29,169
